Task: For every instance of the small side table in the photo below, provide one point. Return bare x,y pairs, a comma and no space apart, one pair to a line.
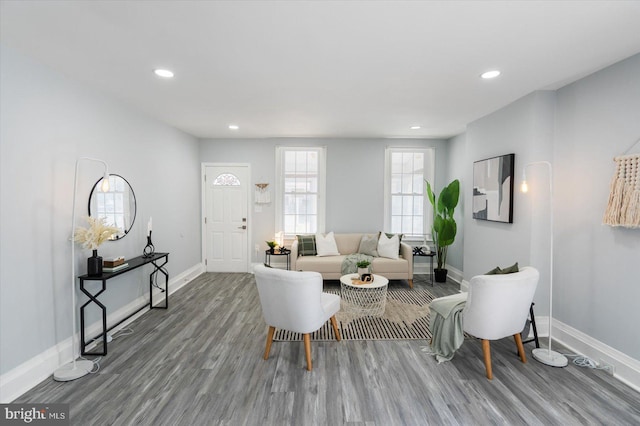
364,299
285,252
430,255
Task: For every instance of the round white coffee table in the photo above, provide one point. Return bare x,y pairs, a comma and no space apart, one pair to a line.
364,299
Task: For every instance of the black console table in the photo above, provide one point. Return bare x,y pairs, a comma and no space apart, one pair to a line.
136,262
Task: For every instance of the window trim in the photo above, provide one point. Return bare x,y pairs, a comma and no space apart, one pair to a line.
322,181
430,169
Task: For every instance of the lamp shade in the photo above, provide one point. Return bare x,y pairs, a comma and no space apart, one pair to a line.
279,238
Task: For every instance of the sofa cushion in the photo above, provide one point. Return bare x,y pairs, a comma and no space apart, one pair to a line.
369,245
307,245
500,271
383,265
348,243
389,247
326,245
494,271
510,269
326,264
400,236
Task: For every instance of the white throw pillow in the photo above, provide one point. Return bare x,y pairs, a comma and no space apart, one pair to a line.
388,247
326,245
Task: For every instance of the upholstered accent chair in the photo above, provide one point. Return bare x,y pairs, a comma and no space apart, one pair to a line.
294,301
497,306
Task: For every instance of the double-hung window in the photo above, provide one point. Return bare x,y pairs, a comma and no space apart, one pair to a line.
300,190
406,202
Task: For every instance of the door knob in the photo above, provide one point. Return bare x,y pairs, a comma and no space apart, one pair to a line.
242,227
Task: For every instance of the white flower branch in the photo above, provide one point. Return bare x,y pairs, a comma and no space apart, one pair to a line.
97,233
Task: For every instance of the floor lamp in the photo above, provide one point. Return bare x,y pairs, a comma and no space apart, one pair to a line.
547,356
76,369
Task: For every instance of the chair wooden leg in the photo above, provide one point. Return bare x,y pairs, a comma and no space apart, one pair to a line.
410,283
518,339
486,350
334,324
307,349
269,341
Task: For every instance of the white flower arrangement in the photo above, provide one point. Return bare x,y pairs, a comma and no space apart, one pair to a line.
97,233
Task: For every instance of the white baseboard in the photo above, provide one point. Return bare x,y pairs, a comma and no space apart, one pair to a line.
20,379
454,274
28,374
423,268
626,369
185,278
174,285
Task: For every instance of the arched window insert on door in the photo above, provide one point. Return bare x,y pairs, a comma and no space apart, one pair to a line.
226,179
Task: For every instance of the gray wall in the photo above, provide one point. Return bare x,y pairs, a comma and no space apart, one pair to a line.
525,128
579,129
355,177
47,122
457,166
597,267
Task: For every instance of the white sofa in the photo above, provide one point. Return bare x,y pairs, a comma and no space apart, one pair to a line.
330,266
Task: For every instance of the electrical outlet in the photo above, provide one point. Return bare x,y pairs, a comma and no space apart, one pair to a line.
606,367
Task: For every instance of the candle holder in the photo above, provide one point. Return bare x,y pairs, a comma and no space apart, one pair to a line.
149,249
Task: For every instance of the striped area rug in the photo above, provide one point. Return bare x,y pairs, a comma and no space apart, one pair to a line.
406,317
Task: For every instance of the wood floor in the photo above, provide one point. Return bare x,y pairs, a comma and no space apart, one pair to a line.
200,363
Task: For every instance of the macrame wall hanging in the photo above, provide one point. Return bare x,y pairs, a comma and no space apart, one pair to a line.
623,208
262,195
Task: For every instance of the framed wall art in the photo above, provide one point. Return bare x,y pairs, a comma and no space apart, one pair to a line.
493,189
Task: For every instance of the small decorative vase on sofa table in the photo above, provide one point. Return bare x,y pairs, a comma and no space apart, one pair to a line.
94,265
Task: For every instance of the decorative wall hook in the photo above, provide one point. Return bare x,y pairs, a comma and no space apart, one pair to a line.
262,196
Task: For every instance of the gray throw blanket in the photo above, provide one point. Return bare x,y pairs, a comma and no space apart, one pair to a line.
446,325
350,263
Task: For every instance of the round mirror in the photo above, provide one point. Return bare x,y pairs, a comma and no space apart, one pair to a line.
117,206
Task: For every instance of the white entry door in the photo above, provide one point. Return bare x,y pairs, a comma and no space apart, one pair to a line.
226,221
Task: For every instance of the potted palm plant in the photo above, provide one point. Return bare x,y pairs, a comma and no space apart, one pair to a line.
444,227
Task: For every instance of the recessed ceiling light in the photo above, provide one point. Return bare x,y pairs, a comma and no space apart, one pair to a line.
163,73
490,74
415,127
234,126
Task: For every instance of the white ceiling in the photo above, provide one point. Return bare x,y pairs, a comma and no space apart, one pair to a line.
322,69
